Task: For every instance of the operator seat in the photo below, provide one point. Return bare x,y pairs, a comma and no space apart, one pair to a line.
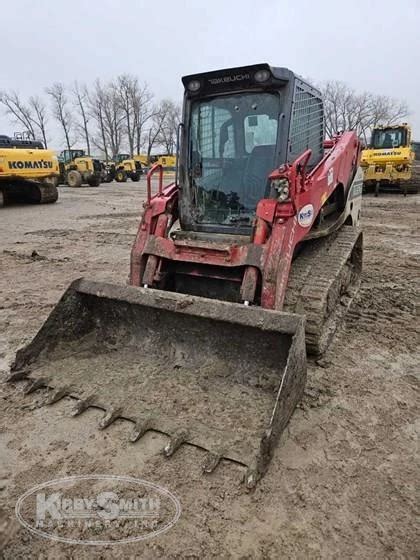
259,165
387,143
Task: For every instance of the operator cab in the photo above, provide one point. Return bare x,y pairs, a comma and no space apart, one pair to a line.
66,156
238,126
389,137
119,158
20,142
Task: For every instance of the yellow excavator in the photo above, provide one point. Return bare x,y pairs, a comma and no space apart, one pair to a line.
389,163
78,168
27,171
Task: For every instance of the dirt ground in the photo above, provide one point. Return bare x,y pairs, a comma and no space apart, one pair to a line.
342,483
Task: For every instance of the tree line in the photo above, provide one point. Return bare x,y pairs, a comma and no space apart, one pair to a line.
121,115
346,109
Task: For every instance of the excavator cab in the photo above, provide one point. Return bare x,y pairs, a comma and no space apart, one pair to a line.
20,140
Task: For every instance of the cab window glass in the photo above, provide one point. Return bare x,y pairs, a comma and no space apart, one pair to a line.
260,130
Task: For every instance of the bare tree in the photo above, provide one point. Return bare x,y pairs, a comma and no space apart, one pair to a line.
18,111
105,107
127,90
32,116
387,111
81,97
346,109
121,109
61,110
167,135
143,111
158,120
113,118
39,117
96,109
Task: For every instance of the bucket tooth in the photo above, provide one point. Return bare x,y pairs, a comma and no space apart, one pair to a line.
211,461
82,405
18,376
175,443
110,416
141,427
34,385
57,394
251,478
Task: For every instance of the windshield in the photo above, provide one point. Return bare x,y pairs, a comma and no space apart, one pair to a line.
122,157
232,149
69,155
388,138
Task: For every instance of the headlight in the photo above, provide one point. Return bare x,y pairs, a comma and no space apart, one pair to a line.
262,76
282,188
194,85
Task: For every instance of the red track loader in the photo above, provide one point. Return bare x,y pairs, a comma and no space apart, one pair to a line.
254,249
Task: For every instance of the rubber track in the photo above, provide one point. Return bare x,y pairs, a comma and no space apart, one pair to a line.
318,287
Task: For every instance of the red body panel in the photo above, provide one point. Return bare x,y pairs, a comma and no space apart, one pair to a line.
278,227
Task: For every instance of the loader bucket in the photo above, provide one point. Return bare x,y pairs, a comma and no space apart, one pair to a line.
221,376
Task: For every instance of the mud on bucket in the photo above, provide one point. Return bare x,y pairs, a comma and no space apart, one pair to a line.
218,375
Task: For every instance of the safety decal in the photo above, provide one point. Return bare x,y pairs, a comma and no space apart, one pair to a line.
306,215
330,177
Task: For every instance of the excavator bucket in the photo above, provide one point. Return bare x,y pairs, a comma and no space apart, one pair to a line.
220,376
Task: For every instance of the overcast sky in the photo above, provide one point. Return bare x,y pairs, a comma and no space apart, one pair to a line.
372,45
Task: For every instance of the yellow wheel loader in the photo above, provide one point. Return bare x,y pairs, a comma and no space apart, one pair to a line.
77,169
389,163
28,172
125,167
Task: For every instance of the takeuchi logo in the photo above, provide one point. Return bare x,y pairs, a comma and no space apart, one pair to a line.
98,510
229,79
